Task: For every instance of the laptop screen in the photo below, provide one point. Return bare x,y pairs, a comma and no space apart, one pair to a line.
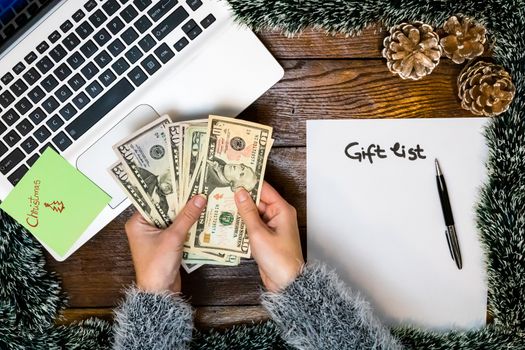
16,16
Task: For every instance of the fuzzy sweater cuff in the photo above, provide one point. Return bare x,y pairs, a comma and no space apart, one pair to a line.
152,321
317,311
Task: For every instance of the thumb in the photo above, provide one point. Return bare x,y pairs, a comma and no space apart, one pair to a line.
248,211
187,217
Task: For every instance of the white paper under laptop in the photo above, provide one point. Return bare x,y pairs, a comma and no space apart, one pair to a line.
378,220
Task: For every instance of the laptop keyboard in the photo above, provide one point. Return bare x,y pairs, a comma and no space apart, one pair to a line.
85,68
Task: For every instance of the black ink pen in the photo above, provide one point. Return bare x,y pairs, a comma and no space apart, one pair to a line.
452,238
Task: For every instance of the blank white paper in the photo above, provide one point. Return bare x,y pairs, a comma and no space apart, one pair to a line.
380,224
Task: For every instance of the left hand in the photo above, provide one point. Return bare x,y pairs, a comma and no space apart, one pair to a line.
157,253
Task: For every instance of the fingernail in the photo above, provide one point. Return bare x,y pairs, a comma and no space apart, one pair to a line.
242,195
200,201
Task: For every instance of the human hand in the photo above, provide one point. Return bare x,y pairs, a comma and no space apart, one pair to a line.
157,253
274,236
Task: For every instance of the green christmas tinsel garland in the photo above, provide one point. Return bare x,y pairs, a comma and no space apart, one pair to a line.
31,298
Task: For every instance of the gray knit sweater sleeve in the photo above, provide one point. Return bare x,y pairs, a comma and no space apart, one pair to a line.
152,321
317,311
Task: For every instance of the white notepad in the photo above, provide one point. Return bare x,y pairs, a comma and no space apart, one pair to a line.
380,224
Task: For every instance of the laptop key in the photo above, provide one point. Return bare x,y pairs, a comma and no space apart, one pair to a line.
37,116
150,64
42,47
3,148
194,32
102,37
94,89
115,25
77,16
49,83
170,23
32,160
30,57
46,146
76,82
129,36
10,117
53,37
161,8
6,98
134,54
62,72
81,100
14,158
3,128
36,95
63,93
84,29
182,43
50,105
66,26
29,145
11,138
143,24
110,7
164,53
19,68
107,77
120,66
44,65
137,76
207,21
71,41
18,87
7,78
97,18
89,70
103,59
188,26
62,141
68,111
31,76
116,47
24,127
55,123
75,60
89,48
194,4
142,4
57,53
147,43
102,106
128,14
17,175
42,134
23,106
90,5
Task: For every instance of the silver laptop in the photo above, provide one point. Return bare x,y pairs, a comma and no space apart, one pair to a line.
79,76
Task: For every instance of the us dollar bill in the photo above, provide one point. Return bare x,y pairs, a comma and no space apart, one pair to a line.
145,157
192,258
235,154
175,139
194,141
142,204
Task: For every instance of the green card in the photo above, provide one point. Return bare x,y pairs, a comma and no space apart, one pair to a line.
55,202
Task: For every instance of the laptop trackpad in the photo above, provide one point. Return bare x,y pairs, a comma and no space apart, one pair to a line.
96,160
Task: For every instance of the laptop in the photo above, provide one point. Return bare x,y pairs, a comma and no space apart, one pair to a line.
78,76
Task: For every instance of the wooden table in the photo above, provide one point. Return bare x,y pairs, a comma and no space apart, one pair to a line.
325,78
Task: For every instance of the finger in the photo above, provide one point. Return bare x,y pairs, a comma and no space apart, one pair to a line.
262,207
187,217
269,195
248,212
136,223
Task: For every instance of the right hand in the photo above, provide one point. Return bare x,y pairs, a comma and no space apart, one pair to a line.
274,236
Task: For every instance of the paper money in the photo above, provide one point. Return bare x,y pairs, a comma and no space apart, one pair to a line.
144,155
236,153
194,141
174,146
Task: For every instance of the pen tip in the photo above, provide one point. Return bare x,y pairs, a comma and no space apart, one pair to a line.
438,168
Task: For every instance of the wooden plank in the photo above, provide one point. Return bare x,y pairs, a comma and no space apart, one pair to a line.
339,89
317,44
96,274
204,318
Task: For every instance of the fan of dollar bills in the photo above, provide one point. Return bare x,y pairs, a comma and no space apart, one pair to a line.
164,164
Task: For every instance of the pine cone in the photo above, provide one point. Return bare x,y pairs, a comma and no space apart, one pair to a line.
464,39
485,88
412,50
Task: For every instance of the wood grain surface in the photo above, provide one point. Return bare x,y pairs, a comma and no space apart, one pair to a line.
326,77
